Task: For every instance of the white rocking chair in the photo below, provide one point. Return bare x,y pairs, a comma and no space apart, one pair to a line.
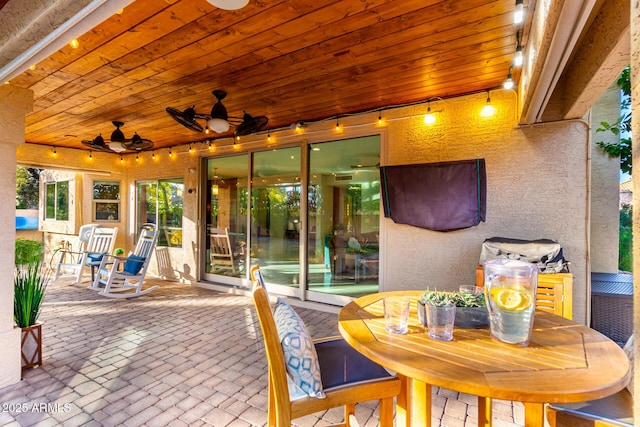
96,242
123,277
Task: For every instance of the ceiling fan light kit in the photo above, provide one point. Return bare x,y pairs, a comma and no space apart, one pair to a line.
218,121
229,4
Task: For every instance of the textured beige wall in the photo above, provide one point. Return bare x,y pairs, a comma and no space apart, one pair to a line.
605,188
537,187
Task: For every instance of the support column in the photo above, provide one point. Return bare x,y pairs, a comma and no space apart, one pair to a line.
15,103
635,121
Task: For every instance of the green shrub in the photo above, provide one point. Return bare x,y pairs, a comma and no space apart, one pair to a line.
28,251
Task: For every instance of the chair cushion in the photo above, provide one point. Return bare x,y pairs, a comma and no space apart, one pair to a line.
133,264
299,352
341,365
94,258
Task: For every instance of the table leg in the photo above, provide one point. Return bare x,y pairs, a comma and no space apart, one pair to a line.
484,412
403,411
420,403
533,414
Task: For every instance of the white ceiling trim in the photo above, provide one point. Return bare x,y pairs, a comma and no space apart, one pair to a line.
89,17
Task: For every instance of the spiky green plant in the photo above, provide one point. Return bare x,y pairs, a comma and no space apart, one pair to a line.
439,299
29,286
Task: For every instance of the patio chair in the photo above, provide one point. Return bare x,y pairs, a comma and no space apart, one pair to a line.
123,277
99,242
221,256
347,377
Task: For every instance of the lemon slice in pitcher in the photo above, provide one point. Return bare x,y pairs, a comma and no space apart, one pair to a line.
513,299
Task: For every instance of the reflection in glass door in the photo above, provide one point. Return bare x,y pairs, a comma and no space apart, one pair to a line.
344,218
226,218
275,217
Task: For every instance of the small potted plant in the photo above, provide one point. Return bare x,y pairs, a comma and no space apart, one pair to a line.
471,307
29,286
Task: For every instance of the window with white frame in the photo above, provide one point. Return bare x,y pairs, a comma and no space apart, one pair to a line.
57,200
106,201
161,202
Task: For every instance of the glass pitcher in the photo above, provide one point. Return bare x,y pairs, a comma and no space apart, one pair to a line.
510,291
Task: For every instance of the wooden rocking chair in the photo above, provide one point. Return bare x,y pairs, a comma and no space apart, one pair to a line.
123,277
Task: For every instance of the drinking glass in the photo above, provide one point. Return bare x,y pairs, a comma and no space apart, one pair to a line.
396,314
510,291
440,320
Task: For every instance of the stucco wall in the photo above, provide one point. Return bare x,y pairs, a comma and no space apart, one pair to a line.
605,188
537,187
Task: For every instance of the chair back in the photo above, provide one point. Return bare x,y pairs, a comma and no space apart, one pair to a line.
146,244
275,357
220,251
102,240
84,235
256,275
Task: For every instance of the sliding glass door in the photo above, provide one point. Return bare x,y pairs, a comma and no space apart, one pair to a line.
275,217
344,219
226,212
257,200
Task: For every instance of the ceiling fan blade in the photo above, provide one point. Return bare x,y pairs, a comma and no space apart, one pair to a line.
96,144
186,118
251,124
136,143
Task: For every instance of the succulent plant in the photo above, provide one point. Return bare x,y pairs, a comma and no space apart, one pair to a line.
460,299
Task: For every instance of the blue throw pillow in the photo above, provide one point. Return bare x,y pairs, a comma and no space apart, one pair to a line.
94,258
299,352
133,264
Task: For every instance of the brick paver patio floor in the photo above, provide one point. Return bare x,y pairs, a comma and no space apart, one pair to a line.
180,356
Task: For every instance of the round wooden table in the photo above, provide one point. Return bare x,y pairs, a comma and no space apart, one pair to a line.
564,362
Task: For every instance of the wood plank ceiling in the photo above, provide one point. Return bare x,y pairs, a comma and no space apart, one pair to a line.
291,60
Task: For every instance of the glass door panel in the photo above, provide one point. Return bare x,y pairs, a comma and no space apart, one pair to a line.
344,218
275,216
226,213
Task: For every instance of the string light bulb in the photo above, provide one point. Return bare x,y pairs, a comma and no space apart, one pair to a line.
429,118
518,14
269,136
121,159
153,154
206,129
518,59
90,155
508,84
190,148
74,43
488,110
170,153
337,123
54,152
137,157
379,117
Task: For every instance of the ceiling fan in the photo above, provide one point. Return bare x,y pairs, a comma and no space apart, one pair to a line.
118,143
219,120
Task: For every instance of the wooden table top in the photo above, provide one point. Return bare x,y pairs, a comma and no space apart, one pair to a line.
564,362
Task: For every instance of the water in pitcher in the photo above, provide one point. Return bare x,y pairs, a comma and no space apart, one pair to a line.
510,289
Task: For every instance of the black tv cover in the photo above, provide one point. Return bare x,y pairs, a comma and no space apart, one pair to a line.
441,196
